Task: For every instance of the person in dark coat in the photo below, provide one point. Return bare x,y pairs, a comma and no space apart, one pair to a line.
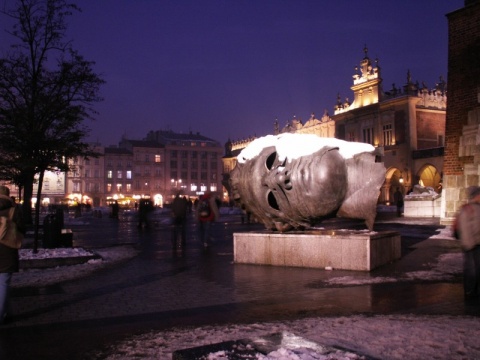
9,261
398,200
144,210
179,213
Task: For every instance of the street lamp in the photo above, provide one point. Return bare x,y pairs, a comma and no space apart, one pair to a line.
175,183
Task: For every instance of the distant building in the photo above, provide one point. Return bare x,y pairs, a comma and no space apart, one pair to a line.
157,168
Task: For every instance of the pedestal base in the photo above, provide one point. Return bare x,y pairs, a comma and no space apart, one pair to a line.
339,249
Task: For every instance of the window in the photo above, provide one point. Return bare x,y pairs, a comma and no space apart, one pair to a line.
109,174
87,173
173,164
158,158
97,173
213,187
129,188
109,187
387,135
147,158
119,174
119,187
76,187
440,140
129,174
368,135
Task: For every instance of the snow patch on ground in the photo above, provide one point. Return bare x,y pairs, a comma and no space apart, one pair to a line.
49,276
383,337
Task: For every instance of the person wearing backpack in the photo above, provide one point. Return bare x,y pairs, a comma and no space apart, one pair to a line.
9,260
207,213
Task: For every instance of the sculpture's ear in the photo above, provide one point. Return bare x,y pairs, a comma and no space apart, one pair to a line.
365,178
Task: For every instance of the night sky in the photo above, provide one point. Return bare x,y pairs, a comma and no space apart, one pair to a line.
228,69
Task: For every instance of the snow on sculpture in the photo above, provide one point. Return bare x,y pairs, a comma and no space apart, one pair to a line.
292,181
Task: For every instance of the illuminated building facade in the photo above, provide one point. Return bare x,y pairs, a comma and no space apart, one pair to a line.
193,163
157,168
408,122
84,184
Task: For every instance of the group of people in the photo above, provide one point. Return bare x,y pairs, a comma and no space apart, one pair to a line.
207,213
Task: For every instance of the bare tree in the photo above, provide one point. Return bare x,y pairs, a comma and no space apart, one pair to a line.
46,92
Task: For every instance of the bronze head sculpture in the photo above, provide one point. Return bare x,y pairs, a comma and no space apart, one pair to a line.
292,181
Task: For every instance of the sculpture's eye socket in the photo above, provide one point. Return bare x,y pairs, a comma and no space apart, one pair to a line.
271,160
272,201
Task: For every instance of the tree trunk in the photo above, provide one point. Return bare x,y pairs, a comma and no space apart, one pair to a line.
37,211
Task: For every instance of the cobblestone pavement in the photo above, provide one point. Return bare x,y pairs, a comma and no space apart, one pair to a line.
162,288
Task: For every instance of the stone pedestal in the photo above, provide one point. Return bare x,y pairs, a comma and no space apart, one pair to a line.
339,249
422,206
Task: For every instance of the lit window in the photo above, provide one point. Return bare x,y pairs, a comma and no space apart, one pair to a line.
119,187
109,187
129,187
158,158
119,174
109,174
129,174
387,135
368,135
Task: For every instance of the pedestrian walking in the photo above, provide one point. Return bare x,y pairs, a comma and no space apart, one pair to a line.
144,210
398,200
179,213
115,209
9,260
467,229
207,214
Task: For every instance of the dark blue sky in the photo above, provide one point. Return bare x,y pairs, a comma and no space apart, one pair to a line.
229,68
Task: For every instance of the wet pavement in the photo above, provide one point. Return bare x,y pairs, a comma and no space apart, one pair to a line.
161,288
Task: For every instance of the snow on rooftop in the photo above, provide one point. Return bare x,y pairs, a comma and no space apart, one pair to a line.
293,146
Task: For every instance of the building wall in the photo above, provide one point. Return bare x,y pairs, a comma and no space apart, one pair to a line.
461,159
